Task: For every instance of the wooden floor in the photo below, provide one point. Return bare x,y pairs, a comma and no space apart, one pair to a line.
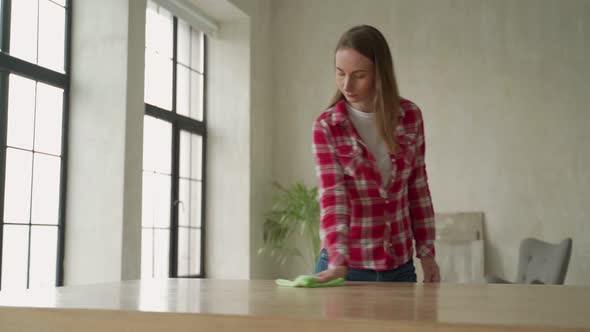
231,305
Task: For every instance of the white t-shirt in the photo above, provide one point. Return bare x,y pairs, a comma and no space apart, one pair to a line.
366,127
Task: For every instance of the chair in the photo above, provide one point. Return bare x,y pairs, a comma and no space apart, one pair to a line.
540,263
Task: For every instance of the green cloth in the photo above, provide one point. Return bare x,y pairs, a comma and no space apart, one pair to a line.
309,282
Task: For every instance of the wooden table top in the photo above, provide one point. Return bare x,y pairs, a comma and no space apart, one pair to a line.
258,305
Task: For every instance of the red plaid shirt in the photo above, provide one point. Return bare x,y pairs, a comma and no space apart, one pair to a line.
365,225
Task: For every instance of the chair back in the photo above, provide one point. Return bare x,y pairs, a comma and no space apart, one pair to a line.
542,262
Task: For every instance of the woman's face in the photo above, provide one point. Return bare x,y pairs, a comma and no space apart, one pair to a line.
355,78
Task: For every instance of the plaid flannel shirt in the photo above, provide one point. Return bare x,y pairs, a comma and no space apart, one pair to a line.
365,225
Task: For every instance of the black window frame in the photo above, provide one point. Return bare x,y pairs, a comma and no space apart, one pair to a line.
192,126
13,65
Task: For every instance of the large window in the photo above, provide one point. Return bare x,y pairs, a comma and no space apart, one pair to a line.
34,82
174,147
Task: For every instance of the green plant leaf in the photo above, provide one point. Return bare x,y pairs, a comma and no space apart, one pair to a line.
294,208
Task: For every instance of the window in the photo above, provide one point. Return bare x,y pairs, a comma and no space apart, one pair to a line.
34,81
174,147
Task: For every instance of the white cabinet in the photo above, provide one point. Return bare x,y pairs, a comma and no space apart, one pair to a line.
459,247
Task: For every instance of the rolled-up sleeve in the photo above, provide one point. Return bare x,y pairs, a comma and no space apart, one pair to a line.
334,203
420,201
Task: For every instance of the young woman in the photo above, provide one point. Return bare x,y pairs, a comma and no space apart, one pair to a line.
369,154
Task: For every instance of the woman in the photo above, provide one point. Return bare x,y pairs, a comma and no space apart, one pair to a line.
369,155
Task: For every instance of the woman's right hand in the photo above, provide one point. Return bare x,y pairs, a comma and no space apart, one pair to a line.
333,273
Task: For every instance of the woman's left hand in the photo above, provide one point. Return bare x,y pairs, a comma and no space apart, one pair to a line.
333,273
430,268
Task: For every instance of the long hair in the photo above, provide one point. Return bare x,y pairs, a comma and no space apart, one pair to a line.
369,42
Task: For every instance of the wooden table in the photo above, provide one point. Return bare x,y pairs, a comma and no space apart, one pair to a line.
232,305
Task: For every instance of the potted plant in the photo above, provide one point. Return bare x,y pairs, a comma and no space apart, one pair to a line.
295,210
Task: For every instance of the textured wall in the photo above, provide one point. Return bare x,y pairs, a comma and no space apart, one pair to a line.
504,90
239,155
103,203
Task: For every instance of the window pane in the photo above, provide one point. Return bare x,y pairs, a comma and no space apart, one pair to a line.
195,251
189,207
184,154
156,200
157,145
182,90
183,252
48,119
197,50
21,112
162,200
151,28
158,80
43,256
184,196
184,39
23,30
147,253
161,253
52,23
195,206
196,91
46,178
147,200
191,156
17,195
158,34
189,251
196,157
165,34
15,246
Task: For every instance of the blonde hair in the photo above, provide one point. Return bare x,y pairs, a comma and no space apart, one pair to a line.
369,42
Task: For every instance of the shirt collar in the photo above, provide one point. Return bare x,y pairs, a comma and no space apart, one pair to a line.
340,114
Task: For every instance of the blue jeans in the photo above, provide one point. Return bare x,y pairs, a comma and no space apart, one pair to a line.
403,273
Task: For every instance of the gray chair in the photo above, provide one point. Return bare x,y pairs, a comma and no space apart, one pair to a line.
540,263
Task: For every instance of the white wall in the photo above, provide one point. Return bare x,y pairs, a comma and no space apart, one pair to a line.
239,146
103,210
504,92
261,122
228,153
